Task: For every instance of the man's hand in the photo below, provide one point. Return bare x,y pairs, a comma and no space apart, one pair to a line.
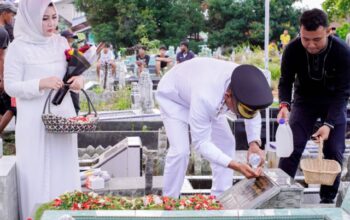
245,169
322,133
255,148
283,113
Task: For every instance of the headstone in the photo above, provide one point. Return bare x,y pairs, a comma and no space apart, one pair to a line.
122,73
146,92
290,195
135,96
233,55
197,162
273,190
249,193
150,157
161,152
123,159
8,188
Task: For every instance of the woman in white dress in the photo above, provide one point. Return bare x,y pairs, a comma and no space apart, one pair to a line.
47,164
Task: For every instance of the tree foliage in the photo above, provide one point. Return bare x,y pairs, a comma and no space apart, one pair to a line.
337,9
233,22
126,22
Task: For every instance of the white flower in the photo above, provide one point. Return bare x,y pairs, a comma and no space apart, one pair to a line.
181,207
157,200
93,194
145,201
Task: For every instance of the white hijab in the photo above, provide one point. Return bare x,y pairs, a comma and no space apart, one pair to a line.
28,24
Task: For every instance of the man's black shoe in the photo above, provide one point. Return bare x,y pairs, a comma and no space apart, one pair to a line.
327,201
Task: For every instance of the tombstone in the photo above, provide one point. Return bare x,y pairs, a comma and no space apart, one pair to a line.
233,55
122,74
274,190
161,152
8,188
135,96
146,92
123,159
150,156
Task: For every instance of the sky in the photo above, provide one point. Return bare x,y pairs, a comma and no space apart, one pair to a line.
311,4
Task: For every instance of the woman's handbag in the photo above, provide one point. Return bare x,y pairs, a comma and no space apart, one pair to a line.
79,124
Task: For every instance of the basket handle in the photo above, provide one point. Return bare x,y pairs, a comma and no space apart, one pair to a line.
90,105
320,149
47,103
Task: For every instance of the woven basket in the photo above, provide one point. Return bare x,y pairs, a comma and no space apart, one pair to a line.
320,171
58,124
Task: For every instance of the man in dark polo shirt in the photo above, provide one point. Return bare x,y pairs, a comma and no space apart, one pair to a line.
7,105
318,64
185,53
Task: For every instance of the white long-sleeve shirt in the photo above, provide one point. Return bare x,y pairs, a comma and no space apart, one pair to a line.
192,92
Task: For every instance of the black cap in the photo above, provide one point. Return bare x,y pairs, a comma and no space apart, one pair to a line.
8,6
250,88
68,34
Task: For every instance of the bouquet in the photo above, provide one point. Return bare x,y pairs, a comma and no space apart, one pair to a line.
78,61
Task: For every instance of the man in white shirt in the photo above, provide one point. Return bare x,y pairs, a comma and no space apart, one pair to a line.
197,93
106,58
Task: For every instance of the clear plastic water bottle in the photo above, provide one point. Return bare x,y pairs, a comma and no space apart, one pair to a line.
284,139
254,160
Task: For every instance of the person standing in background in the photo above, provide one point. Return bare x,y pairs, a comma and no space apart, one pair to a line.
7,104
316,67
285,39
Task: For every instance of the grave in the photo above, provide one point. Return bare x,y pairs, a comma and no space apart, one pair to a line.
274,190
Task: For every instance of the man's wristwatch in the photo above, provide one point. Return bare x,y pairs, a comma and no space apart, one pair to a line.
284,105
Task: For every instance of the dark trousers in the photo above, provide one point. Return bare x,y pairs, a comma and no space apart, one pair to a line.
302,121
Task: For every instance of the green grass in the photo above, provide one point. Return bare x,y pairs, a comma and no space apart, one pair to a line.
9,143
120,101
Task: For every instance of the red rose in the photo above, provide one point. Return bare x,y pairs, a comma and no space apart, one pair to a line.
57,202
84,48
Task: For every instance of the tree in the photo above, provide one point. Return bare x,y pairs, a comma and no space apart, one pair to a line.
126,22
336,9
234,22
